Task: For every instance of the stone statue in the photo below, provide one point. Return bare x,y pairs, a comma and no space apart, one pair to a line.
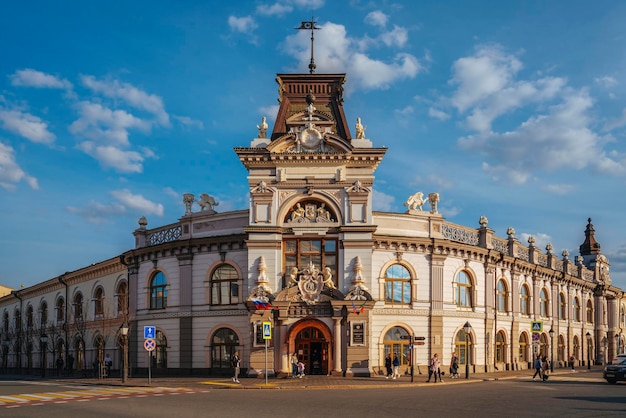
262,128
360,129
207,202
328,278
322,212
415,202
483,221
433,199
188,199
293,277
298,212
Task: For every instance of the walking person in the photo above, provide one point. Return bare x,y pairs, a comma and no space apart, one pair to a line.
545,369
572,360
237,366
108,363
537,367
388,366
294,365
396,366
300,369
454,366
435,368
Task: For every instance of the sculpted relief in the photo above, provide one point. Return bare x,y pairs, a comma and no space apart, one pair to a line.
310,212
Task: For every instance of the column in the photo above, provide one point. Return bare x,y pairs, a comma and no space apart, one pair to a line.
337,362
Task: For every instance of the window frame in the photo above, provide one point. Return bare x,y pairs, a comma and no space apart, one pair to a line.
544,303
393,278
463,292
227,287
158,291
525,300
502,296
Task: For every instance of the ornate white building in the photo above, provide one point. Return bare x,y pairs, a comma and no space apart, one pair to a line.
341,284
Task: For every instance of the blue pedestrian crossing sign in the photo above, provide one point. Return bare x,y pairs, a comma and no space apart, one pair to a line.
536,326
267,330
149,332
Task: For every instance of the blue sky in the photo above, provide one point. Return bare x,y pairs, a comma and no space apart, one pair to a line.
110,111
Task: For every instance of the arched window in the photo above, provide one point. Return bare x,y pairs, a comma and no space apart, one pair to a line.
524,300
397,285
396,343
122,298
544,345
576,309
223,345
18,320
562,306
78,307
463,290
463,345
544,303
158,291
29,317
44,315
576,347
501,292
160,357
60,310
299,253
98,302
589,312
500,347
523,347
224,285
561,349
5,322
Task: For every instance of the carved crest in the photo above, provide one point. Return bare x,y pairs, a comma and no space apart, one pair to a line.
310,284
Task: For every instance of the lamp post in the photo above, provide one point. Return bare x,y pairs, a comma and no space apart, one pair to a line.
124,332
588,350
616,344
43,339
605,343
467,327
551,332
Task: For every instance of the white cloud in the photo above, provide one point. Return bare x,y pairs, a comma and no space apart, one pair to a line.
191,123
541,239
486,87
11,172
276,9
382,202
244,24
438,114
336,52
397,37
377,18
559,189
33,78
616,123
137,202
130,94
172,193
100,123
606,81
26,125
108,156
559,139
308,4
96,212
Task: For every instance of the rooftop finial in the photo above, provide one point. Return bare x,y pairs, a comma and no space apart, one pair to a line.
310,25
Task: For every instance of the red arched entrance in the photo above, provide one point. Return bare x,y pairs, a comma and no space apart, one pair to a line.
311,340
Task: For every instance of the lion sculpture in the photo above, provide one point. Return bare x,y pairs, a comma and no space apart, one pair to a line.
416,201
207,202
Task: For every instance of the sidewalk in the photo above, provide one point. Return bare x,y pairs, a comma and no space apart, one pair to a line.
311,381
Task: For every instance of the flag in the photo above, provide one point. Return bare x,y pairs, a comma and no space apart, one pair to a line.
358,310
261,304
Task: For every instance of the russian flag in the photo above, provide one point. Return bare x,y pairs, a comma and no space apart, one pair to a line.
261,305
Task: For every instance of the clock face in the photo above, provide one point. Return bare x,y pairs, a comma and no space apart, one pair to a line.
310,138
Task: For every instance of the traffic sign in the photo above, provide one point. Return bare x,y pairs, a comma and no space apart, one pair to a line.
149,344
149,332
536,326
536,337
267,330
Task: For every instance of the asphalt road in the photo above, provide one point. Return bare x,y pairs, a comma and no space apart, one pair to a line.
571,396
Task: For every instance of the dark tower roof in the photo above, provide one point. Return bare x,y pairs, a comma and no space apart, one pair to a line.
590,246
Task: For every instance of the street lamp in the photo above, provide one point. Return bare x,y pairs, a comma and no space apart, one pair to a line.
124,332
551,332
43,339
616,344
588,350
467,327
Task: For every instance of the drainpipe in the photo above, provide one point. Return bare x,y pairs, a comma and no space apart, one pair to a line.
65,325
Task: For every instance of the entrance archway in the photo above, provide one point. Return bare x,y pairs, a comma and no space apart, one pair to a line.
311,340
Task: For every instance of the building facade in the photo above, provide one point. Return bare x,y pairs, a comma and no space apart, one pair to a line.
340,284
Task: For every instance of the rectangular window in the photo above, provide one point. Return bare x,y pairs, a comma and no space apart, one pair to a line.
300,253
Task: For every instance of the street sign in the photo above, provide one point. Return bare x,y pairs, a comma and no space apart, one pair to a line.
536,326
419,343
406,337
267,330
149,344
420,338
536,337
149,332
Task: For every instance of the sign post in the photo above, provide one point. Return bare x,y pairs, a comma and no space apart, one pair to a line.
267,335
149,334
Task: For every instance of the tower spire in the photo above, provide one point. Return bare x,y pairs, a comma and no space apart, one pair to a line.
310,25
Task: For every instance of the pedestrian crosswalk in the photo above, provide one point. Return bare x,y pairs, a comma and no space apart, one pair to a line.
86,394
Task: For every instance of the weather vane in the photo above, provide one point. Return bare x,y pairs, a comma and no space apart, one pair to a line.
310,25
